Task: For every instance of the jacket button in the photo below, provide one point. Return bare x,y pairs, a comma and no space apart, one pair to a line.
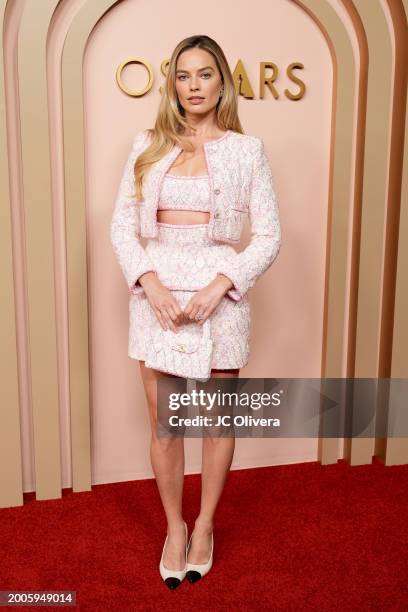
217,191
217,214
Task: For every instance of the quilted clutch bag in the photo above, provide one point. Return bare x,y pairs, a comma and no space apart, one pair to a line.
186,353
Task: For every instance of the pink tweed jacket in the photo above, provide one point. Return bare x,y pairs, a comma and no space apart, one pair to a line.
241,184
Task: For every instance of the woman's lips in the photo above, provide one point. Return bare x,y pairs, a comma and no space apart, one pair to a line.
196,100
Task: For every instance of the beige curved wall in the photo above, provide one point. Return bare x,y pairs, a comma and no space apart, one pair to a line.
74,412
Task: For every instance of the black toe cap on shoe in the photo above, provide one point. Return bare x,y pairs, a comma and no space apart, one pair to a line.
193,576
172,582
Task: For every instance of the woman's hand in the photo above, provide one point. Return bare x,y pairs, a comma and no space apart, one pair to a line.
206,300
164,304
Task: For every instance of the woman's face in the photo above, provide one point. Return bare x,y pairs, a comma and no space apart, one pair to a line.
197,76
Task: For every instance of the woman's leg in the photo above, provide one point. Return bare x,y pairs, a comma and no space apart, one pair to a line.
217,457
167,459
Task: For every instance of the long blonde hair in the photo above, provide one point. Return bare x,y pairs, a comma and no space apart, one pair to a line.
170,122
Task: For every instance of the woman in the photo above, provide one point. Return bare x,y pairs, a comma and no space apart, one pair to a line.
188,185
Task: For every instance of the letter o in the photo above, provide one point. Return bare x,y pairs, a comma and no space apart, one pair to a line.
134,60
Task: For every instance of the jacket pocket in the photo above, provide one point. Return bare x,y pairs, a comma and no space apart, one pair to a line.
243,208
234,222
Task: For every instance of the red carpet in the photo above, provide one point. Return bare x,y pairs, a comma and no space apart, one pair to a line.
297,537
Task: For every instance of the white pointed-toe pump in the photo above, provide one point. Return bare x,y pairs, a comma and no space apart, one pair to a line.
173,578
195,571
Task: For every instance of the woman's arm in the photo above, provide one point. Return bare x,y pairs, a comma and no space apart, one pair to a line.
125,224
244,270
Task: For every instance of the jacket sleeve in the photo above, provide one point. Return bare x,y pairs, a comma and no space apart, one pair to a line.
244,269
125,224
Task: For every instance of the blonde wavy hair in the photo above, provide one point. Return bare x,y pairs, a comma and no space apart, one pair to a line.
170,122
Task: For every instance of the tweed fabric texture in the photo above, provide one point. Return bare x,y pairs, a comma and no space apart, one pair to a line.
185,193
185,259
240,186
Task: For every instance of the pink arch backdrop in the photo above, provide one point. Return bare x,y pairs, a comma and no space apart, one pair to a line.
287,303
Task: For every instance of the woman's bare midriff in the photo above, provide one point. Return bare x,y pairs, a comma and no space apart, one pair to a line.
182,217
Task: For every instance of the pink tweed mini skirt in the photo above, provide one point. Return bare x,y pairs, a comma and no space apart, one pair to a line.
186,259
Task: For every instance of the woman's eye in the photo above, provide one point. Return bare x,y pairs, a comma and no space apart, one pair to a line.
204,74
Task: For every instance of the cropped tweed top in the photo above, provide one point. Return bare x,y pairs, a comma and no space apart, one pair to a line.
185,193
